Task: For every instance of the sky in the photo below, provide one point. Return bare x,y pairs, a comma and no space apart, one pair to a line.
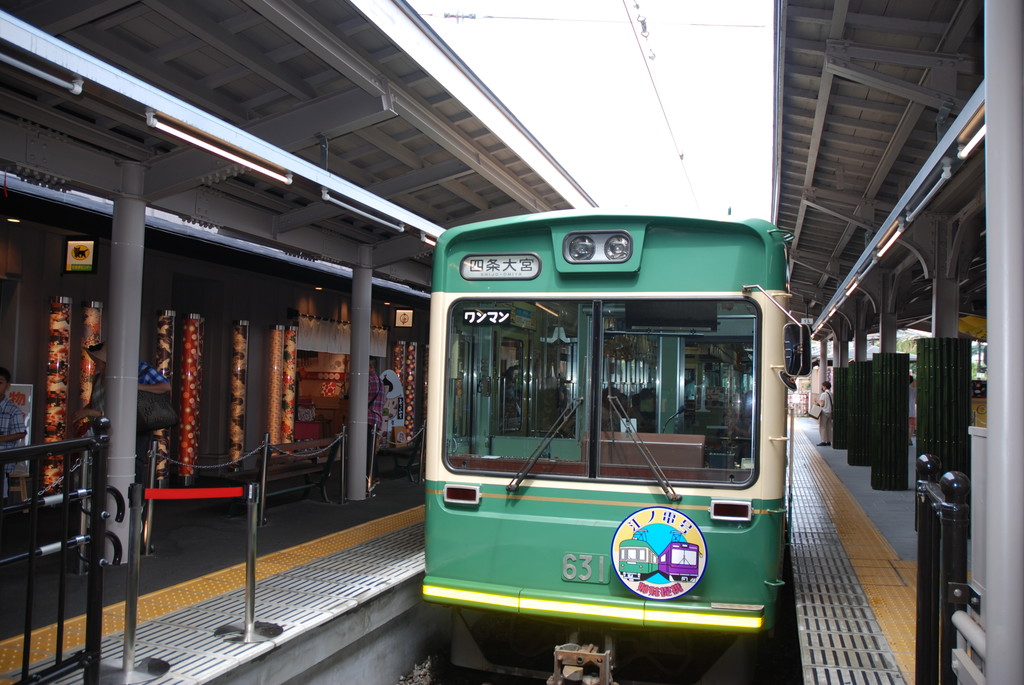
688,132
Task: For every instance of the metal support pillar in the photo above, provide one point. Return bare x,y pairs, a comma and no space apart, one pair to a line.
842,353
823,365
860,333
359,383
127,253
945,307
1004,177
887,317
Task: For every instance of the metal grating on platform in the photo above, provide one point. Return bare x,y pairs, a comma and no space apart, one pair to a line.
298,600
841,643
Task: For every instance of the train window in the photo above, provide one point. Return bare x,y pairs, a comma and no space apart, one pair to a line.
512,386
678,381
601,388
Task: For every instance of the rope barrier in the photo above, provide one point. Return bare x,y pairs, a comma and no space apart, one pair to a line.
388,442
193,493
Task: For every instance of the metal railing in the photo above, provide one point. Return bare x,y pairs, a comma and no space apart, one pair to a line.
41,541
949,642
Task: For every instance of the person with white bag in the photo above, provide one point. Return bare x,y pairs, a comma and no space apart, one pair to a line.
825,417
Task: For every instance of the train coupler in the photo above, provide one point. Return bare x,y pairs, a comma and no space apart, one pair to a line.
581,664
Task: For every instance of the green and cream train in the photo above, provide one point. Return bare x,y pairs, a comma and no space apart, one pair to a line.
606,442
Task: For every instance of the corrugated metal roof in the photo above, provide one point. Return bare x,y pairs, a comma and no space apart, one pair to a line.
318,81
865,92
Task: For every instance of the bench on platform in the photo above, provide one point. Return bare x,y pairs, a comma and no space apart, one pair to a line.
311,459
410,452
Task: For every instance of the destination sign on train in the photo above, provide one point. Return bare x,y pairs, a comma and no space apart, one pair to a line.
500,267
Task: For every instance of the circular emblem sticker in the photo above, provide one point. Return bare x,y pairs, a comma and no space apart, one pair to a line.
659,553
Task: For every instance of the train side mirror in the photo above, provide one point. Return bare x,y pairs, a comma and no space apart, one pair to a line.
797,343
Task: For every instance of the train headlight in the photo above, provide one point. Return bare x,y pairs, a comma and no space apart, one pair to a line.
597,247
618,248
581,248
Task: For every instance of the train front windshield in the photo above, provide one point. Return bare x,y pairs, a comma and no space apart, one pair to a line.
599,388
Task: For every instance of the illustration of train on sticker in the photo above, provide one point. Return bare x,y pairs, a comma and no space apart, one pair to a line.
606,444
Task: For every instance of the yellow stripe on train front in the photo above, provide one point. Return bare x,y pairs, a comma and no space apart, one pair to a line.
648,616
652,616
472,597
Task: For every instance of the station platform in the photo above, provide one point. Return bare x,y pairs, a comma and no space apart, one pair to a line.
322,566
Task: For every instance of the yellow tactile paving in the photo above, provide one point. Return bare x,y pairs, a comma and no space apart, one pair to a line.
889,583
10,658
162,602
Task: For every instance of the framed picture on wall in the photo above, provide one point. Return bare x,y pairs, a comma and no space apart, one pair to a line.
403,318
79,256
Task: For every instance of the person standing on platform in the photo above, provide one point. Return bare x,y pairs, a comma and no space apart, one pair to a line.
150,380
12,424
374,421
825,418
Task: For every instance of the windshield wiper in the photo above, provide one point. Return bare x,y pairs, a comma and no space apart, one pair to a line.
641,446
569,410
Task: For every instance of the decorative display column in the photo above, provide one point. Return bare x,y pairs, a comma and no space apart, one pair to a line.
288,373
409,383
164,363
236,410
57,373
275,377
92,333
191,390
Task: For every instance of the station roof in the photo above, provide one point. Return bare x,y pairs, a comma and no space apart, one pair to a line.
390,138
874,100
387,136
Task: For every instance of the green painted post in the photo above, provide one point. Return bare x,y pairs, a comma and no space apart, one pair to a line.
944,401
890,383
859,415
840,420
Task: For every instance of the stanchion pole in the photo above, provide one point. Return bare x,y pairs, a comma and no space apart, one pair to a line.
264,465
251,630
149,668
343,458
147,528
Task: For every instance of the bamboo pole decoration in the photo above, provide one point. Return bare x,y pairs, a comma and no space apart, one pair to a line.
274,382
239,368
58,353
288,371
164,363
191,386
92,334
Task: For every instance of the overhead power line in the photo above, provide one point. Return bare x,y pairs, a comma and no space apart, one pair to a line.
644,32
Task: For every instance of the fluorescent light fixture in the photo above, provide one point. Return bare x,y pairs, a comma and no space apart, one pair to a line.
326,196
832,312
892,238
151,120
428,240
967,149
853,286
947,173
74,87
